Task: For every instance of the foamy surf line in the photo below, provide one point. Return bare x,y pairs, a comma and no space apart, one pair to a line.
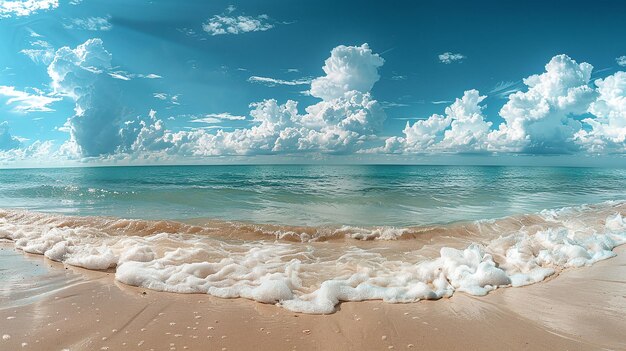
313,277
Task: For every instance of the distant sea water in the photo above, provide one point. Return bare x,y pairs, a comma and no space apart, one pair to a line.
309,195
308,237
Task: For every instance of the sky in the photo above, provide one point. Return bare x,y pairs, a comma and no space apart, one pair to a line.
160,82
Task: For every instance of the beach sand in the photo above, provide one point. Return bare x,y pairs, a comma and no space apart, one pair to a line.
45,305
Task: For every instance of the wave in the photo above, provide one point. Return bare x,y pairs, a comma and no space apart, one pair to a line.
312,269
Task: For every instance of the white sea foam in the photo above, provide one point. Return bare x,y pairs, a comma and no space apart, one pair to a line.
314,277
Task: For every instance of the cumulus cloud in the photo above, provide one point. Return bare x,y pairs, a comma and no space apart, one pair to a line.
349,68
608,124
337,126
24,102
226,24
462,129
448,58
81,74
556,111
39,152
540,120
346,118
621,60
7,141
18,8
90,23
545,118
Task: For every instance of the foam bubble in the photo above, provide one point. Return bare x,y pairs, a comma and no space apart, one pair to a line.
314,277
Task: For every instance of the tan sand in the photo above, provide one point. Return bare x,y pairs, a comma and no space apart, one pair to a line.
57,308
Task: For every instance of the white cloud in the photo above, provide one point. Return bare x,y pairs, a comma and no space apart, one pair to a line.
608,126
216,118
539,120
37,153
621,60
225,24
122,75
171,99
41,51
160,96
24,102
90,23
542,119
150,76
462,129
81,74
349,68
119,75
448,58
505,88
273,82
18,8
7,141
345,120
33,33
144,135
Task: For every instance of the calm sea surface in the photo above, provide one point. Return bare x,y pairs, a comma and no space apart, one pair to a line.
309,195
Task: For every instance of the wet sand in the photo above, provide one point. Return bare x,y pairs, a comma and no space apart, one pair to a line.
45,305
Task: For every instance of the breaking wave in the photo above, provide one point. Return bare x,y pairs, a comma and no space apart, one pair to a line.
312,269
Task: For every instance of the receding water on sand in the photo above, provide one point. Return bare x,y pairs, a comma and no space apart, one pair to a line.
25,278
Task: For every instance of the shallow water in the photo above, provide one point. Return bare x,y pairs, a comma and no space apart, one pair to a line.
309,237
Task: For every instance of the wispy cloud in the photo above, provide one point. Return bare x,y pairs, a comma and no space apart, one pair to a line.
123,75
391,104
212,118
119,75
40,52
207,127
440,102
24,102
410,118
89,23
172,99
505,88
150,76
449,57
621,60
227,24
19,8
273,81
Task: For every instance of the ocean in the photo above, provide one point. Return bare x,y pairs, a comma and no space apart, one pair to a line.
309,195
306,237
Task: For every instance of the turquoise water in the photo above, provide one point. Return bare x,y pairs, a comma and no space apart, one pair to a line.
309,195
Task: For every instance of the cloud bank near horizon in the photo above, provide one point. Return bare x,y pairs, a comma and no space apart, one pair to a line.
557,111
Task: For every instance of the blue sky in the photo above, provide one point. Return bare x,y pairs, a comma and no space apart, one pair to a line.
164,81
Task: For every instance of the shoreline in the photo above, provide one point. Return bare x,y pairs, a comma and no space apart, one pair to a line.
581,309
